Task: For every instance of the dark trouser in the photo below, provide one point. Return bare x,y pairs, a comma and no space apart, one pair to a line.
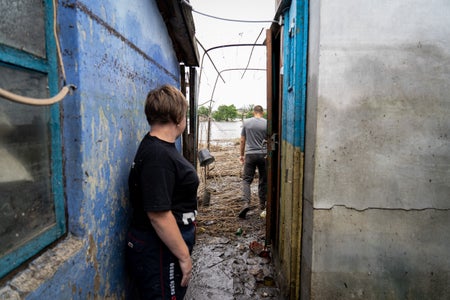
154,269
253,161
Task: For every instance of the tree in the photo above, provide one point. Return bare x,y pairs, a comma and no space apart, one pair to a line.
225,113
249,113
203,111
246,111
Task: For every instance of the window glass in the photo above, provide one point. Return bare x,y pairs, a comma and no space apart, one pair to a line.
27,204
22,25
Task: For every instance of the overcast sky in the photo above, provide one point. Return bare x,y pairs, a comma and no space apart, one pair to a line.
239,89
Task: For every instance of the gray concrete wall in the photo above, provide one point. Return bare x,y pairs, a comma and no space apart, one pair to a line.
380,254
378,149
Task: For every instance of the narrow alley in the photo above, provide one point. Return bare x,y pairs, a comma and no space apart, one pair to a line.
358,145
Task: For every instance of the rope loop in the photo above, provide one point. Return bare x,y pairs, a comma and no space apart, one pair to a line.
38,102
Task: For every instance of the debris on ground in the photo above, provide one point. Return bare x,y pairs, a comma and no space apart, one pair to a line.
231,258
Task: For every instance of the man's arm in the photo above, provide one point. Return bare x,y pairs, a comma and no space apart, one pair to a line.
242,149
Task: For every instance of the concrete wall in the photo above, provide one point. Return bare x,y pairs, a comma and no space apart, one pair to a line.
114,52
377,169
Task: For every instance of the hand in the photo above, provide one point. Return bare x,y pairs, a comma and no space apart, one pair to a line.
242,159
186,269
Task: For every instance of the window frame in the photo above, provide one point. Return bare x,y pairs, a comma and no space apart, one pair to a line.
48,66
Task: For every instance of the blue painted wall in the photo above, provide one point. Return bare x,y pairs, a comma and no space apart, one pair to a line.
294,67
114,52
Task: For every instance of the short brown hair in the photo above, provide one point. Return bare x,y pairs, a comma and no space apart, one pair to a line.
164,105
258,109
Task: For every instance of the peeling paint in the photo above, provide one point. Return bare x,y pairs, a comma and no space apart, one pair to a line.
113,67
92,258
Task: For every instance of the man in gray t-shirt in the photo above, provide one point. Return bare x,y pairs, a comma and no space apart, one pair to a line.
253,156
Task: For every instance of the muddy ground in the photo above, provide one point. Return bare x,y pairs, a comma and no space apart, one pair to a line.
230,257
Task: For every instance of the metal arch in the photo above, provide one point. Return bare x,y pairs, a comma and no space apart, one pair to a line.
218,47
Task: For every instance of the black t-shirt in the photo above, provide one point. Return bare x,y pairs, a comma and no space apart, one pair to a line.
162,179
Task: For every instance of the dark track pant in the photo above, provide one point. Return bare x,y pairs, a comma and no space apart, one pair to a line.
253,162
154,269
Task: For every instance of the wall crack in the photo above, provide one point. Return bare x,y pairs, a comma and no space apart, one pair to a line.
381,208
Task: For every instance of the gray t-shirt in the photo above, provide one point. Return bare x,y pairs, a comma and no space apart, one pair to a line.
255,132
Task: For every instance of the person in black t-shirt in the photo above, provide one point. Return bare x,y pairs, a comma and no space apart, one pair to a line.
163,194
